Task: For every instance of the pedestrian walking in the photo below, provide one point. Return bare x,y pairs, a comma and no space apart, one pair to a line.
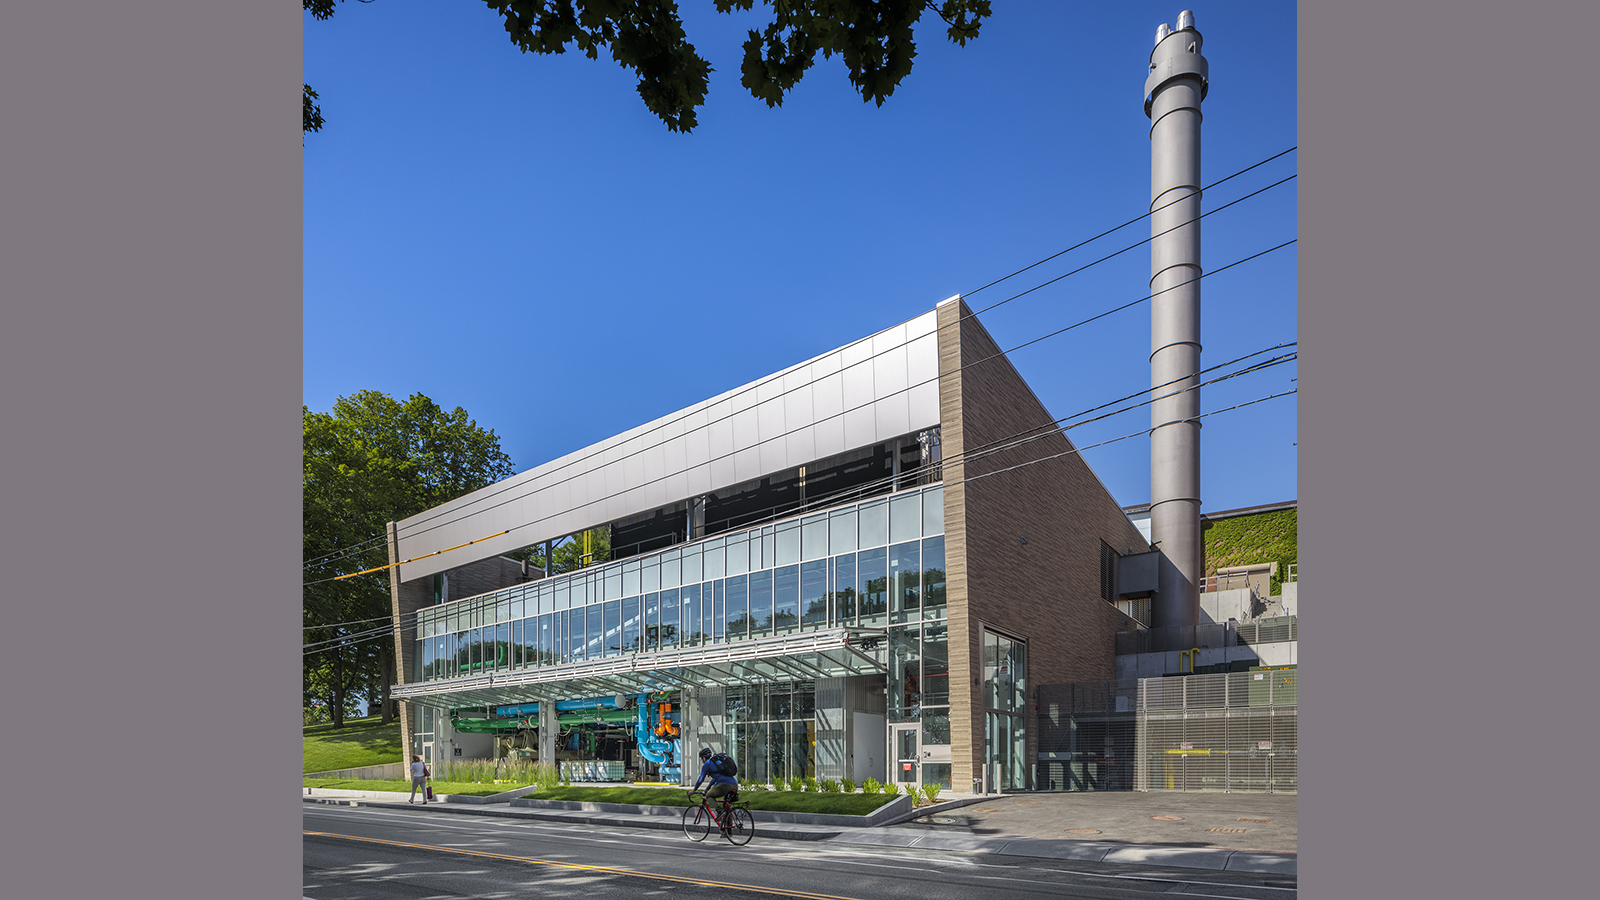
419,780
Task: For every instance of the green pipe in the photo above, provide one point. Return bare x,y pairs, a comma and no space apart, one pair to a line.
485,726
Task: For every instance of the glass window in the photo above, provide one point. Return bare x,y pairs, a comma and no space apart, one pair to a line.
905,574
630,579
594,631
936,665
905,675
613,577
738,556
502,645
814,537
576,638
761,603
547,641
874,525
650,575
564,593
502,610
905,518
933,605
631,622
427,660
768,554
933,511
842,530
738,617
786,600
719,610
530,642
672,569
612,623
714,558
788,541
652,622
1017,664
516,606
872,586
814,594
693,624
844,589
691,565
670,611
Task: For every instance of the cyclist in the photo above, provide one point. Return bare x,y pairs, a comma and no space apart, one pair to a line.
722,786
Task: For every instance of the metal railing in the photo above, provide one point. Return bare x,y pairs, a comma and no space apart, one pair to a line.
1234,732
1188,637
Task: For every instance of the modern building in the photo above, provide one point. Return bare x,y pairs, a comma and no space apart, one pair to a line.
859,566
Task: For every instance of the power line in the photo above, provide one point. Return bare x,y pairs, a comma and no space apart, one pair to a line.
754,386
1131,221
865,488
910,387
378,634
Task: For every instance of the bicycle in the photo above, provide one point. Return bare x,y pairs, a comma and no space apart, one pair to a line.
735,822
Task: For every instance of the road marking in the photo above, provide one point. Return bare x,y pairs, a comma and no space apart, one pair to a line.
585,868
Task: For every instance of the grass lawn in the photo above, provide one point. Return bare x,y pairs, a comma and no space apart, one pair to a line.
361,742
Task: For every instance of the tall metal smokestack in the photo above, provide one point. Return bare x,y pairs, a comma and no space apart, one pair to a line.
1172,95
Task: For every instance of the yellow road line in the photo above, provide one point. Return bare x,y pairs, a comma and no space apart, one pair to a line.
603,869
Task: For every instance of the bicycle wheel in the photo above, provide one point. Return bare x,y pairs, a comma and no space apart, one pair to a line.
697,823
741,826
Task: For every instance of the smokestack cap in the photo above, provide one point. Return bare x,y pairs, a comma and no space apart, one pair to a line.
1186,20
1162,32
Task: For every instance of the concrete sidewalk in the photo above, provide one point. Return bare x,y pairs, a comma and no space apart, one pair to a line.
1223,832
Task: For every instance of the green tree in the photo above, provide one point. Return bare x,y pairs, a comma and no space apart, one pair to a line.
370,461
873,38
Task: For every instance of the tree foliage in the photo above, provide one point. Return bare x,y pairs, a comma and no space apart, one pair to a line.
874,38
370,461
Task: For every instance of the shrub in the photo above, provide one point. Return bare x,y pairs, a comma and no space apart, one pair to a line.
871,786
797,784
847,785
931,791
811,784
828,786
778,784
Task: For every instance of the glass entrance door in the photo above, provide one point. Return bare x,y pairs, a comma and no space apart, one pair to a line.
904,739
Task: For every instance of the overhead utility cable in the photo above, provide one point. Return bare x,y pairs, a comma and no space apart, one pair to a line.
538,490
366,637
753,386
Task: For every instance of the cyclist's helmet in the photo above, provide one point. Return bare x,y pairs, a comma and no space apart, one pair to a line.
705,753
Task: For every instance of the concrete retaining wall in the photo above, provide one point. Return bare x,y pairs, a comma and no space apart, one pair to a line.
383,772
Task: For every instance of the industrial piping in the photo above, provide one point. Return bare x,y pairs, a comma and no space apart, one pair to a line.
1177,83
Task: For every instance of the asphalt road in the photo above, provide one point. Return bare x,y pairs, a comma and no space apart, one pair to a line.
360,853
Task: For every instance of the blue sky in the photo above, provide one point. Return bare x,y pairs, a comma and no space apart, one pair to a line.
517,235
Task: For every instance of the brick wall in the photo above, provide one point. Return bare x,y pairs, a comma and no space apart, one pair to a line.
1047,591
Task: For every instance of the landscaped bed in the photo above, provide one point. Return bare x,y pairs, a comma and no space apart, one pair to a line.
439,787
839,804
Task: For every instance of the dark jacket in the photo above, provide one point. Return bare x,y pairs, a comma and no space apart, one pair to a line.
708,771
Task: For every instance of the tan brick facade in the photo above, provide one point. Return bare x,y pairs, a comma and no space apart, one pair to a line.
1046,591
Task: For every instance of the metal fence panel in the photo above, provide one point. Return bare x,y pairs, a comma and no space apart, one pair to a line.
1234,732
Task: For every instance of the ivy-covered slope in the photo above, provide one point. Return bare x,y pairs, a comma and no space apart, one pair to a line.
1259,538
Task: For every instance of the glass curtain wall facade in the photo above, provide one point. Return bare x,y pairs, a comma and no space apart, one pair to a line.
1005,688
771,730
877,563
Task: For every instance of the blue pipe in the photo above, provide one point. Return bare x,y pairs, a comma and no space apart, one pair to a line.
532,709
